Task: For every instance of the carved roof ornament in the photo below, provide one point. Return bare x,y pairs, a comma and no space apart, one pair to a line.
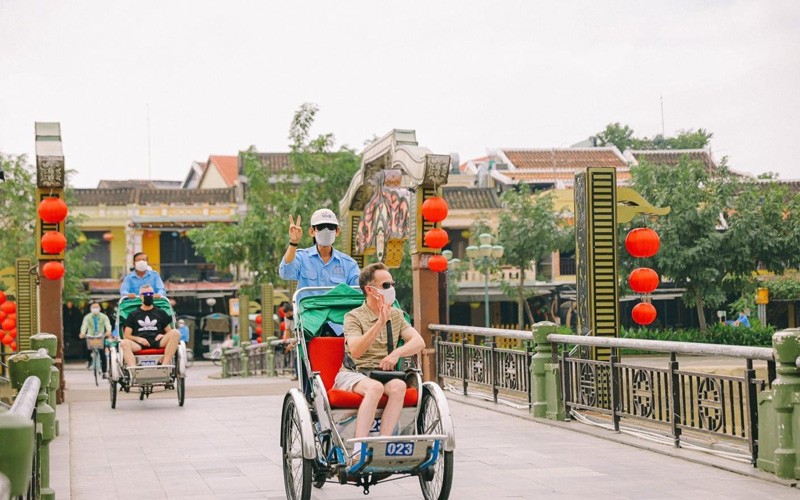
49,155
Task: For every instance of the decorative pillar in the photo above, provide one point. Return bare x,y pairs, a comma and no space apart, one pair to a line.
49,343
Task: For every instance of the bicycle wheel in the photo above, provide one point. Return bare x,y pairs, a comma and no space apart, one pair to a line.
113,387
436,486
180,384
96,365
189,358
297,469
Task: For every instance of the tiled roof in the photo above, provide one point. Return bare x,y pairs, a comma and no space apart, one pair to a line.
570,159
138,183
461,198
545,176
673,157
228,167
129,196
274,162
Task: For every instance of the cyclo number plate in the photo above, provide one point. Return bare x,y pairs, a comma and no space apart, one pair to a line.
399,449
148,362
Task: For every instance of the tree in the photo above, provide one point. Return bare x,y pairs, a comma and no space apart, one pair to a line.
317,177
530,230
622,136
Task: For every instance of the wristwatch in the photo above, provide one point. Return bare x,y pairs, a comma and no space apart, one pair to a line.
293,244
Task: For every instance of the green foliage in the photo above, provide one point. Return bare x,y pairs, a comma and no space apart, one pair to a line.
530,230
317,177
622,137
758,335
18,219
786,287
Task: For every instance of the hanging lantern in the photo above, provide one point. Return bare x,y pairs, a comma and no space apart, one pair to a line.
258,319
2,297
437,263
436,238
644,313
643,280
8,307
3,316
259,330
8,324
13,345
52,210
259,340
434,209
53,242
108,236
7,340
642,242
12,333
53,270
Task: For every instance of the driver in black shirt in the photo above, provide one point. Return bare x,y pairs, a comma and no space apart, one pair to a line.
149,328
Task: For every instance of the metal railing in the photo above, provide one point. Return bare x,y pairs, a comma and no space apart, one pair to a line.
25,405
233,361
669,396
503,371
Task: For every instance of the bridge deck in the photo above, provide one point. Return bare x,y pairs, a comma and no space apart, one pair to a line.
224,444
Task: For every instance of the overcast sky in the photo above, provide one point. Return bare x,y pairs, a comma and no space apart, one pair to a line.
220,76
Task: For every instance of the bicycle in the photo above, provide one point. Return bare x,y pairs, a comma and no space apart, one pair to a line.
96,344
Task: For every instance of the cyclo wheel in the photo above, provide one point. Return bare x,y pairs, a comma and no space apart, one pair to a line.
113,386
180,384
296,469
95,366
430,422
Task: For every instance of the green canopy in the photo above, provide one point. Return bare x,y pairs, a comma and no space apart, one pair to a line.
316,310
127,306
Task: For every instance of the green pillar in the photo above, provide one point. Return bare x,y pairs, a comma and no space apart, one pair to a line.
37,363
224,362
546,399
49,342
269,367
245,362
18,436
785,391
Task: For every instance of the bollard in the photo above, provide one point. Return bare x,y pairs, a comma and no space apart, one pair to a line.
49,342
18,436
245,363
38,363
224,361
269,367
777,408
546,397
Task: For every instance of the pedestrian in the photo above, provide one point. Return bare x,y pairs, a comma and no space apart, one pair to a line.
184,331
96,324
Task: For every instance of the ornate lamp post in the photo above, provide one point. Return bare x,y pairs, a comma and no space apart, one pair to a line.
484,258
452,265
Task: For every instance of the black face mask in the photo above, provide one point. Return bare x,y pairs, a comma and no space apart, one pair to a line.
147,300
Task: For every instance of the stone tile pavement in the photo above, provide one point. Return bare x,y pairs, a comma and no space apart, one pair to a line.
220,446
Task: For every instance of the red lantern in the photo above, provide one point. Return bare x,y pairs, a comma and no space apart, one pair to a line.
53,242
12,317
8,324
644,313
259,340
436,238
258,319
8,307
3,316
13,345
642,242
52,210
12,333
258,330
2,297
108,236
53,270
434,209
437,263
643,280
283,326
7,340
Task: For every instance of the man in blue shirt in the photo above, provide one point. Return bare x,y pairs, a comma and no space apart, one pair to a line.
140,276
321,264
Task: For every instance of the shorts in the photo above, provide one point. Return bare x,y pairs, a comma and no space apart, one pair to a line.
346,380
154,344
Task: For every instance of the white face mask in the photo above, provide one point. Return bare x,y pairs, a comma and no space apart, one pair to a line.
389,294
95,310
141,265
325,237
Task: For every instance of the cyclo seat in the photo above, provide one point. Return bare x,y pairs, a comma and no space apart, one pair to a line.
150,351
326,355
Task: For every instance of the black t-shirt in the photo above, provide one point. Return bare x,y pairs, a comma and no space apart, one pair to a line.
148,324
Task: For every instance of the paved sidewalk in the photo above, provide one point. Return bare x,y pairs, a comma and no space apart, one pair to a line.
227,447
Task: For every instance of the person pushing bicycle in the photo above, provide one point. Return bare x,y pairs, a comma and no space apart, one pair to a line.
96,324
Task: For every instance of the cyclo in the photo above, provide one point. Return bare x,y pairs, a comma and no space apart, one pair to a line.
147,375
318,422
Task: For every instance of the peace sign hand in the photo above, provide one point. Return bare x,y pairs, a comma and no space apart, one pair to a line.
295,230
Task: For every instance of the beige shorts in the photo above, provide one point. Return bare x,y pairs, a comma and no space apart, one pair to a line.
346,380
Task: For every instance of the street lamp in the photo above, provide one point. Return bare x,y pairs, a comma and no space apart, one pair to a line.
452,265
485,257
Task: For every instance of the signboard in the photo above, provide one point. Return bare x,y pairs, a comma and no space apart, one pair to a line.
762,296
233,307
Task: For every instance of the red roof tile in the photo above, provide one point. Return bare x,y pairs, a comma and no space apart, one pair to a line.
570,159
228,167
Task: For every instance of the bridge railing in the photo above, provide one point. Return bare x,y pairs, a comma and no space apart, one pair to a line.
669,397
22,440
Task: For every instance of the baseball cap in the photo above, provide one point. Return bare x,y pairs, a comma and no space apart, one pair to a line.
323,216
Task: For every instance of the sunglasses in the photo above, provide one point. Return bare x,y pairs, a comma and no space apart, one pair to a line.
148,294
386,285
320,227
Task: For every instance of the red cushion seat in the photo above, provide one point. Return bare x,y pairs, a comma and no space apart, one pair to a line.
325,355
150,350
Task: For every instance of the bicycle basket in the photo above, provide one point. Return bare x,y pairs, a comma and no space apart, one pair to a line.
94,342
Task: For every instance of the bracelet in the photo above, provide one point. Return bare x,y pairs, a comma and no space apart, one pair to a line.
293,244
